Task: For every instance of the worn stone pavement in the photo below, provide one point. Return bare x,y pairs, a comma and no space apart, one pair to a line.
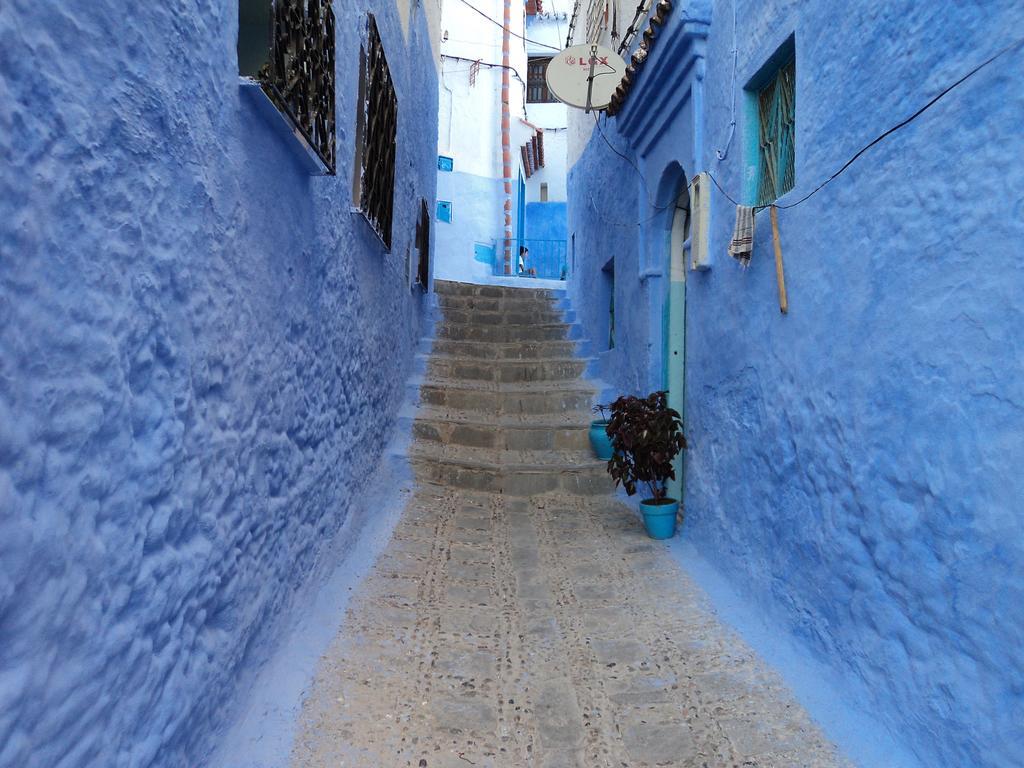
545,629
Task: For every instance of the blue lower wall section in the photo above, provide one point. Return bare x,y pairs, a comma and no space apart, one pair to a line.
546,221
853,465
192,384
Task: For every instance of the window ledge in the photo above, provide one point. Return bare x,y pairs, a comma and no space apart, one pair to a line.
361,214
284,126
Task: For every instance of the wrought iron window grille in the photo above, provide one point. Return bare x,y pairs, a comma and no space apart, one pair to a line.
536,81
776,111
373,181
287,46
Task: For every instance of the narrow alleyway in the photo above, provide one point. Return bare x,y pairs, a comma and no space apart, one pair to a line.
520,616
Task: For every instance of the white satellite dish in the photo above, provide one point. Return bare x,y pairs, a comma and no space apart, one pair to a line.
585,76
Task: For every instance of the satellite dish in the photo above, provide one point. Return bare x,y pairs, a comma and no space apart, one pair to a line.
585,76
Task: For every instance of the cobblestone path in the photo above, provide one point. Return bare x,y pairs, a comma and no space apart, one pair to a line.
544,629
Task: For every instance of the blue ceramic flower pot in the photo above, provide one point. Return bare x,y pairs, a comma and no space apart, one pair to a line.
660,519
599,440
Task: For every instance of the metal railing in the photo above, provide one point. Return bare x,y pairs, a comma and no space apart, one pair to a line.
544,259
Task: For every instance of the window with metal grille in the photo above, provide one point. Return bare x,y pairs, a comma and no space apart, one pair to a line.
287,46
373,185
776,113
536,81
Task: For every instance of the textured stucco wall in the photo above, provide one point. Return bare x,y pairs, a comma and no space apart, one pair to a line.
853,465
201,354
605,199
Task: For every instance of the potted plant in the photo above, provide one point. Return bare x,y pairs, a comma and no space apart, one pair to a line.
599,440
646,436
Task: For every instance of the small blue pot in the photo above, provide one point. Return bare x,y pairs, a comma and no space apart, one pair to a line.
599,440
660,519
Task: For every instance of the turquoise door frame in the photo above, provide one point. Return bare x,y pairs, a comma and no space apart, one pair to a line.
674,324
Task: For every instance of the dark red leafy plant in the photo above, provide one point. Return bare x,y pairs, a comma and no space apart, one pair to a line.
646,436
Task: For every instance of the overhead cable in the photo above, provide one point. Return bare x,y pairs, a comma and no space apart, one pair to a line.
903,123
489,65
631,30
572,23
499,24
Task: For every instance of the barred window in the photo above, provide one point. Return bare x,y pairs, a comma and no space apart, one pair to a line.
287,48
776,113
536,81
373,185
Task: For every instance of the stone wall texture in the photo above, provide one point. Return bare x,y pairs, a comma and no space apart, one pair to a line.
854,465
201,354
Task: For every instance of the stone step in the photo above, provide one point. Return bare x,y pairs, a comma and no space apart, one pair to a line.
565,369
510,317
451,288
455,395
504,334
537,435
514,479
411,413
521,350
514,303
503,457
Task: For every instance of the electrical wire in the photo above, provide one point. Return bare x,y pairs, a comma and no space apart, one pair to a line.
658,209
558,27
572,23
631,30
903,123
906,121
498,23
490,65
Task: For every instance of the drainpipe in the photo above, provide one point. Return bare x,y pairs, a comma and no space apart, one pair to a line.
506,132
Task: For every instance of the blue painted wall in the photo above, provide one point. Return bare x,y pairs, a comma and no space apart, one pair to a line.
192,382
546,221
854,466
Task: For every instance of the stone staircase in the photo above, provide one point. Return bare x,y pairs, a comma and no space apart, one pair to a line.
502,403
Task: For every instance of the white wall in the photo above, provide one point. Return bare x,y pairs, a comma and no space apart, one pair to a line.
469,131
469,119
547,33
554,171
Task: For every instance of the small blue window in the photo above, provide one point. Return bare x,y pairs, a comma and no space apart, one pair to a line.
445,163
444,211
